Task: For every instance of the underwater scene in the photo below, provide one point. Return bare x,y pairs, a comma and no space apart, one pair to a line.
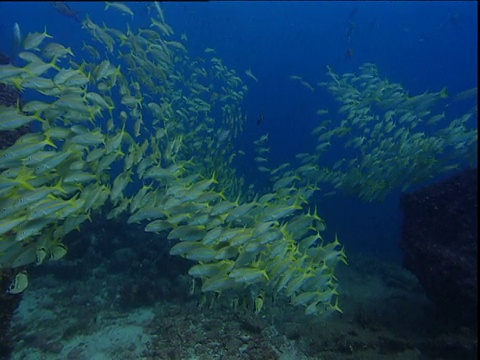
238,180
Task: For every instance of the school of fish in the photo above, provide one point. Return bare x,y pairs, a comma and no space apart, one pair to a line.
141,126
393,140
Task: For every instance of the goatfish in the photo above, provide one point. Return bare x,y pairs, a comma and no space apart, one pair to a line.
119,6
13,119
33,40
55,50
159,10
248,275
249,74
22,150
8,224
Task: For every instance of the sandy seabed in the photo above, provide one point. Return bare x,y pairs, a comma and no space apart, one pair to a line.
385,316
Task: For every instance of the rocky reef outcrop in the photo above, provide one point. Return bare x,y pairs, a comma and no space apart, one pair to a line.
439,240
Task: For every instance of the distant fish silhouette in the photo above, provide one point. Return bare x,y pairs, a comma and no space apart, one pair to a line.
16,41
349,53
350,29
352,13
66,10
260,119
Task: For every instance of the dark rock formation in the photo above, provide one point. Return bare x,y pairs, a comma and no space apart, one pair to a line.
8,138
439,240
9,96
8,304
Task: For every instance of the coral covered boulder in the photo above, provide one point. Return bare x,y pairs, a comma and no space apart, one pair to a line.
439,240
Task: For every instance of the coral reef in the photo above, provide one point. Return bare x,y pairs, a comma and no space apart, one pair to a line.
439,239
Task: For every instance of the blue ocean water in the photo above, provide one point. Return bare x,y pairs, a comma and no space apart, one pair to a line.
425,46
115,274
